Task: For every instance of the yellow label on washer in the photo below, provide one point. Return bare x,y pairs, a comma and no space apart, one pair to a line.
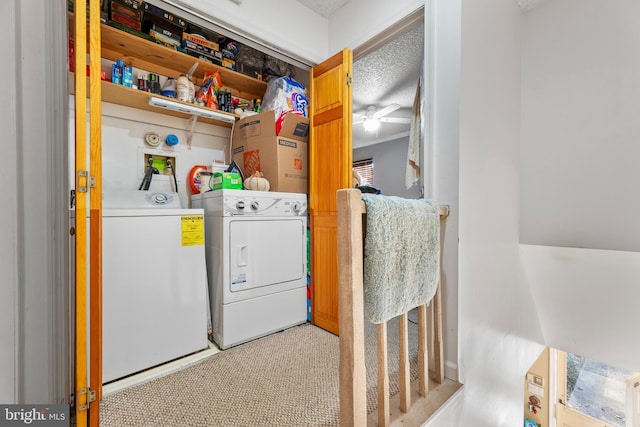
192,230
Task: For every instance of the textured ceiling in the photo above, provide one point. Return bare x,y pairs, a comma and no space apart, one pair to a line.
388,75
323,7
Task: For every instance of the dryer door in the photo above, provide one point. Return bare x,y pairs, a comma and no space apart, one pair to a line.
266,256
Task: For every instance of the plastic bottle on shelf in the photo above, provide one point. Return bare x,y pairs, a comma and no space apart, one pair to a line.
127,76
227,101
182,88
192,91
169,88
116,72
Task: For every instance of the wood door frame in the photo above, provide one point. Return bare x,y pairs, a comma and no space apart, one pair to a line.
88,182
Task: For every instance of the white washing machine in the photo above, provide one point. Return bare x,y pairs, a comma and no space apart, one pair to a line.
256,262
155,305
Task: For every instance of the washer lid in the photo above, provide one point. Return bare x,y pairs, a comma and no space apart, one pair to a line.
137,199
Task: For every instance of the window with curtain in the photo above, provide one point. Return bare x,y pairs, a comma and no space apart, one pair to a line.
364,168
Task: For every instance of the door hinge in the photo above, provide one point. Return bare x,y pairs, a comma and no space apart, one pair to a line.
349,80
85,181
91,397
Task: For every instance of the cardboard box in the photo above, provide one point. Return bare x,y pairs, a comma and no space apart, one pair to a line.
163,39
229,63
227,180
201,55
159,25
127,13
281,158
150,9
197,39
215,54
204,33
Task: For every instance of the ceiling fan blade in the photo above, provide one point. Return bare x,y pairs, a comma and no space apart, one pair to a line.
399,120
358,120
386,110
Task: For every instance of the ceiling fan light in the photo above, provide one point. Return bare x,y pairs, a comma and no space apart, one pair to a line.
371,124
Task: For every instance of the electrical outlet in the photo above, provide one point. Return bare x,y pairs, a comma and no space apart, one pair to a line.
160,162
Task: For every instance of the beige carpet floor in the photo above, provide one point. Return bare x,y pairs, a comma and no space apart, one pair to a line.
285,379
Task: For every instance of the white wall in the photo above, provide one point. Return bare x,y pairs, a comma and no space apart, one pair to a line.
500,334
514,297
442,51
286,25
8,209
33,355
587,300
580,103
580,129
123,148
360,20
389,163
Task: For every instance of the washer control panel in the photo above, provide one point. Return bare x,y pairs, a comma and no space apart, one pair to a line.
159,199
132,199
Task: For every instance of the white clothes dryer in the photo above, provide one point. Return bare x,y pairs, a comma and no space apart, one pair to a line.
256,262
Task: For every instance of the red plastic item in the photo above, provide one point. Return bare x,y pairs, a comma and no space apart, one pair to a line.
194,178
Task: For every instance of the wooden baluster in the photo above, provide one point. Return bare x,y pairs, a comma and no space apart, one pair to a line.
423,352
383,376
403,368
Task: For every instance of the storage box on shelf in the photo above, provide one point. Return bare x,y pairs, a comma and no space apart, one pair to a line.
282,158
128,14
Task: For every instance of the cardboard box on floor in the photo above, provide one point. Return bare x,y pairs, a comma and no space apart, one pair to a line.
282,158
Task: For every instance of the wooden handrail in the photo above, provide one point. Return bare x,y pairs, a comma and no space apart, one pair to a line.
353,380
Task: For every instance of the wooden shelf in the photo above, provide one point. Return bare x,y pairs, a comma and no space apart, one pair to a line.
150,56
155,58
134,98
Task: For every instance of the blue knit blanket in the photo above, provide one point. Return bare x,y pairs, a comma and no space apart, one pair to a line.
401,255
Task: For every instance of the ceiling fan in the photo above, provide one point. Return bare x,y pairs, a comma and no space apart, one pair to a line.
372,117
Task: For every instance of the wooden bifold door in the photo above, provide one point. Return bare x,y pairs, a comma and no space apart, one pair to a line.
330,158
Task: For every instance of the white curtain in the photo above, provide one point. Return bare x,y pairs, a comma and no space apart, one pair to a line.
412,174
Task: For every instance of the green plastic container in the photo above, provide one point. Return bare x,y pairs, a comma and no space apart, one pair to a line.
229,180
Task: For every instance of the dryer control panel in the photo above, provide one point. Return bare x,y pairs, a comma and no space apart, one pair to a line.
239,205
252,203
